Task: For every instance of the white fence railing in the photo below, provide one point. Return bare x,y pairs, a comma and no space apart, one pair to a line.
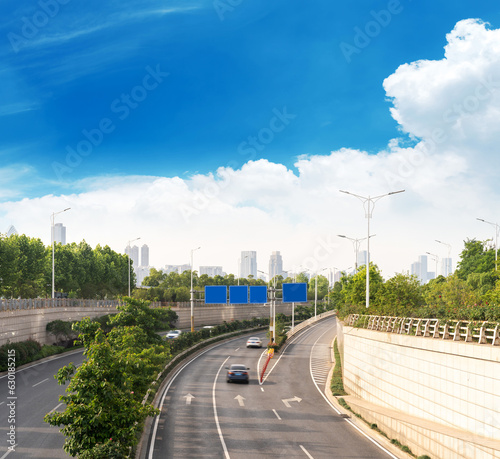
481,332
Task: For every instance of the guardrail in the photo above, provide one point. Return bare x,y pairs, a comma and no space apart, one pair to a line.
482,332
308,322
41,303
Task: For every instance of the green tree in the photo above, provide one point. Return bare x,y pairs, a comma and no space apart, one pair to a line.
400,296
323,285
10,275
452,298
101,405
155,278
475,259
31,264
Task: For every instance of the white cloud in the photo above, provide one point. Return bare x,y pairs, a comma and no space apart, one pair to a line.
264,206
454,101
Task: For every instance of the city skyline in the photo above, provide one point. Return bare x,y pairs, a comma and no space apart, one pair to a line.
226,143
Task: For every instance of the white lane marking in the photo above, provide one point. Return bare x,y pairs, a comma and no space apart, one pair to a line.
160,406
60,356
306,452
224,447
9,451
34,385
338,412
54,409
262,389
282,353
188,398
1,403
237,349
277,415
241,400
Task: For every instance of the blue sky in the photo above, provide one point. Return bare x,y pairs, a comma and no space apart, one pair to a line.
179,89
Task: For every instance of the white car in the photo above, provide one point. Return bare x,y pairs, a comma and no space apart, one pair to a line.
254,342
172,334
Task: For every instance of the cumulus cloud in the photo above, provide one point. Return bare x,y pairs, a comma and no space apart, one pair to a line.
453,102
447,108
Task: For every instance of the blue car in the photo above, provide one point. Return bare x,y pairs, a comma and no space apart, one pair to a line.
238,372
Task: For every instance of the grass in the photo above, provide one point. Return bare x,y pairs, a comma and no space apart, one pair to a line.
337,384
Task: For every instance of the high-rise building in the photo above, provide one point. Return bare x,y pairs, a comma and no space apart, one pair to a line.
248,264
275,264
446,267
144,255
419,269
133,253
361,258
60,234
211,271
12,230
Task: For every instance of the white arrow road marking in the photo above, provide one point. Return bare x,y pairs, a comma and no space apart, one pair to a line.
294,399
188,398
240,400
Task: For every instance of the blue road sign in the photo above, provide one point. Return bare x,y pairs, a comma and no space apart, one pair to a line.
215,294
295,292
258,294
238,294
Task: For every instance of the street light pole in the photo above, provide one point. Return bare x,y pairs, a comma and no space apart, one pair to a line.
192,291
367,201
52,231
496,237
356,243
128,247
436,259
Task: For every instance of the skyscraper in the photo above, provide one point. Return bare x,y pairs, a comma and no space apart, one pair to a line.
362,256
60,234
133,253
419,269
144,255
12,230
446,268
248,264
211,271
275,264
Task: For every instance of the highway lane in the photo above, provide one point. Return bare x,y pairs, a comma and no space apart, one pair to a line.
204,416
36,393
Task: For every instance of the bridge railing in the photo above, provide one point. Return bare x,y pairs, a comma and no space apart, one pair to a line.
481,332
42,303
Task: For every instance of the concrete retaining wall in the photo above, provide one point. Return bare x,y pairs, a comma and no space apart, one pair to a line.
22,324
440,398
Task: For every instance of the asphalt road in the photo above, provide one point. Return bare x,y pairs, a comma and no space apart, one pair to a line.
36,393
286,416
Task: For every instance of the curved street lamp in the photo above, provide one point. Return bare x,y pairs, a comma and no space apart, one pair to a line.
497,228
367,201
356,243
